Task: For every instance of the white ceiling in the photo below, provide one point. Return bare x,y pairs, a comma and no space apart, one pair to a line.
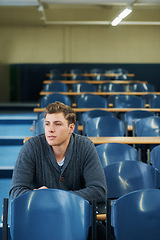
104,2
75,2
81,12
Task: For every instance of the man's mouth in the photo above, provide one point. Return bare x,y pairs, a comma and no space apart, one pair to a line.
51,137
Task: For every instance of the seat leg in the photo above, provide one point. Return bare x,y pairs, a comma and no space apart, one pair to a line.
5,219
94,228
108,218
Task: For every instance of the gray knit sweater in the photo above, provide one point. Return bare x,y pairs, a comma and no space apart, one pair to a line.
81,173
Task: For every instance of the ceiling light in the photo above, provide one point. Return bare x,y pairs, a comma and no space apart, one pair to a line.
121,16
40,8
116,21
125,13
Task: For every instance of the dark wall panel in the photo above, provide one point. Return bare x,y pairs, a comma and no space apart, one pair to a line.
26,80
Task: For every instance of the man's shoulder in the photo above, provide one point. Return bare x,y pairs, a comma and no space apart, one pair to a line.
37,139
81,138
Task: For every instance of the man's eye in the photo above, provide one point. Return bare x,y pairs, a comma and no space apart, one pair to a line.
46,124
58,124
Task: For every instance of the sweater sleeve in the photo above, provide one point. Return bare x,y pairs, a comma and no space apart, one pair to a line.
23,174
93,173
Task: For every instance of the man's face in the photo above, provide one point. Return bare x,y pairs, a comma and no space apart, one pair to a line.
57,130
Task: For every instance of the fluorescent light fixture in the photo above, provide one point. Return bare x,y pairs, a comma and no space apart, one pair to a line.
121,16
40,8
125,13
116,21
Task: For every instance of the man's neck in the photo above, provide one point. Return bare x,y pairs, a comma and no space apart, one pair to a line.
60,151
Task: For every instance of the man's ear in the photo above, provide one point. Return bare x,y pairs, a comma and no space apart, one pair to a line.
72,127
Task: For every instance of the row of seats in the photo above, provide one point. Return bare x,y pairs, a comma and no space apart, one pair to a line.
96,101
86,77
102,121
124,180
80,71
58,86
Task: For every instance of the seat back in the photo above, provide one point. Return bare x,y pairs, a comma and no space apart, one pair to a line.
50,214
94,113
155,102
133,116
128,101
56,71
76,71
126,176
57,77
47,99
91,101
147,98
104,127
38,126
155,157
122,76
100,77
78,78
110,153
5,185
83,87
113,87
97,71
118,71
142,87
146,127
55,87
137,215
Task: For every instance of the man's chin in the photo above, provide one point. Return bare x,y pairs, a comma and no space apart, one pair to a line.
52,142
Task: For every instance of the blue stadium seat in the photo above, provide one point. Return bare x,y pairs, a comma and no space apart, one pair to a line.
148,97
76,71
113,87
55,71
133,116
78,78
100,77
97,71
110,153
126,176
41,214
155,102
38,126
148,127
128,101
57,77
122,76
55,87
142,87
137,215
155,157
83,87
94,113
91,101
104,127
50,98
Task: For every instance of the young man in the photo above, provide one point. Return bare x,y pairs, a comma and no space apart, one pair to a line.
59,159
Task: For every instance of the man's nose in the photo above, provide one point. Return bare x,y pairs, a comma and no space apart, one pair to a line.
52,128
